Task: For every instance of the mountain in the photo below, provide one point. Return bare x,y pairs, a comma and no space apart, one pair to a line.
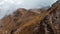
33,21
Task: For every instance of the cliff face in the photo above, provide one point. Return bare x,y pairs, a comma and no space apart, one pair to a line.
34,21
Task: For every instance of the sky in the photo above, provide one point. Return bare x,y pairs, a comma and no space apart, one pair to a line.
9,6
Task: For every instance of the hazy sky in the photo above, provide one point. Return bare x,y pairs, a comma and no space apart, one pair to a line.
8,6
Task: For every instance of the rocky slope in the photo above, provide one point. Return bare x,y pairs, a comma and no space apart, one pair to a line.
33,21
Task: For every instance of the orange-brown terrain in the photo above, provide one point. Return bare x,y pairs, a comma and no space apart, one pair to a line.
33,21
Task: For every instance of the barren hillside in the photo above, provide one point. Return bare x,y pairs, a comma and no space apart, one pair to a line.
33,21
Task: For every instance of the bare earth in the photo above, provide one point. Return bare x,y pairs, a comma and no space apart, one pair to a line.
33,21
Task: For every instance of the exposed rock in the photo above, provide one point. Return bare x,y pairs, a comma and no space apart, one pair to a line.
33,21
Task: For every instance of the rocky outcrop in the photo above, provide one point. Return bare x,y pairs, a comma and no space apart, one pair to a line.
33,21
53,20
